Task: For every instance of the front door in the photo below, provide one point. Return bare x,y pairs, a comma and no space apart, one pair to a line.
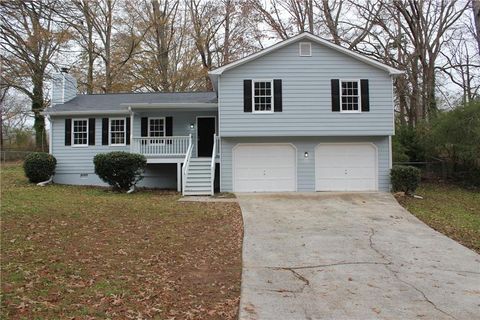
205,132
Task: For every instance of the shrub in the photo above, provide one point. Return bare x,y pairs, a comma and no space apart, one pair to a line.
39,166
121,170
405,178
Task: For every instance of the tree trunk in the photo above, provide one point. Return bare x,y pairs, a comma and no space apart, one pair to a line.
476,18
161,36
38,105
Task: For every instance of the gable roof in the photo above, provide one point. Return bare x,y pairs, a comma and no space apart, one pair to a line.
120,102
304,36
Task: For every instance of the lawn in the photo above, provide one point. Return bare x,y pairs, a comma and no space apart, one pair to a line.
449,209
86,252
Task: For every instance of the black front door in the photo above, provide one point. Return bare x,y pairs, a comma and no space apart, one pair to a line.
205,132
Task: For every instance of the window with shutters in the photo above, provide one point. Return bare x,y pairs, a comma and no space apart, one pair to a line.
262,96
156,128
80,132
350,96
117,131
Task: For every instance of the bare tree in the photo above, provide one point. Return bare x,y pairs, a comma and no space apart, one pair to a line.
29,40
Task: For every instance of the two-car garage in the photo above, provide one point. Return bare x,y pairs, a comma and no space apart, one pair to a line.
273,167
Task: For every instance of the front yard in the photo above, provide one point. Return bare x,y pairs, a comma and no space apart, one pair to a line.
84,252
449,209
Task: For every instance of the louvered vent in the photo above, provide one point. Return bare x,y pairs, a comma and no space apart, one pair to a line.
305,49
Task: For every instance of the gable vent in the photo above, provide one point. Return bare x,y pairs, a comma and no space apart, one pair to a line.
305,49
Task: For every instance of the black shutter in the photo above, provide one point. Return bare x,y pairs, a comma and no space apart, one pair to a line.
127,131
365,95
277,95
144,127
335,84
247,95
91,131
68,132
169,128
105,131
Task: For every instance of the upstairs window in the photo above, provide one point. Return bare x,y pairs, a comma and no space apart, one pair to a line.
350,96
117,131
262,96
80,132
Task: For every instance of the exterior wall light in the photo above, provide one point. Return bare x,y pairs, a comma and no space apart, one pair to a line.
192,126
305,155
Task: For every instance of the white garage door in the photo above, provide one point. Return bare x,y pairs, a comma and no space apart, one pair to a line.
264,168
346,167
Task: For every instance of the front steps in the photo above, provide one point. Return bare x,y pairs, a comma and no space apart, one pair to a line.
198,178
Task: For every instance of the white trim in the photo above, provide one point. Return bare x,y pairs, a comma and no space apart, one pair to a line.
359,110
196,130
390,153
84,113
300,49
124,133
264,143
50,135
73,133
272,95
347,143
309,36
171,105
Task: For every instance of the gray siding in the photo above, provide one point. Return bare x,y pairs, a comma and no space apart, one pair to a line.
306,96
74,161
305,167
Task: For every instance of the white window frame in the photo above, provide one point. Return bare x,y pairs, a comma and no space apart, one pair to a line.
300,49
158,139
110,132
359,96
73,133
272,96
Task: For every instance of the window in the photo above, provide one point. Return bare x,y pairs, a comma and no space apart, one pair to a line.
305,49
117,131
156,127
262,96
350,96
80,132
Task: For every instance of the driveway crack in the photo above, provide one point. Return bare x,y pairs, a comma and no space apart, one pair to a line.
395,274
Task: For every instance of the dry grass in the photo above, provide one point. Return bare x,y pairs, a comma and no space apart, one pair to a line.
84,252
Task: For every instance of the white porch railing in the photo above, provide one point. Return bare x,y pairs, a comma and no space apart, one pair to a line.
186,162
212,164
171,146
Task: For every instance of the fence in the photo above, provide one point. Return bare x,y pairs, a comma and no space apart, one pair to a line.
434,169
13,155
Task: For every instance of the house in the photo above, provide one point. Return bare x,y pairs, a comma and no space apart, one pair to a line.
301,115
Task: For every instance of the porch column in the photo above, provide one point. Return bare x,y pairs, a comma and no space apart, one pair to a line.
132,143
179,177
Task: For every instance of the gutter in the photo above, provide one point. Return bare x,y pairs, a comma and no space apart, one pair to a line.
93,112
171,105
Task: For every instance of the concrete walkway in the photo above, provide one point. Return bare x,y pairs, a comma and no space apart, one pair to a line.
350,256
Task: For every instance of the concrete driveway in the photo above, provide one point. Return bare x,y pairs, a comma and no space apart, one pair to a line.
350,256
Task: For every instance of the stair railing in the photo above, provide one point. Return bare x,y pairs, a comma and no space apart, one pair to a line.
186,163
212,164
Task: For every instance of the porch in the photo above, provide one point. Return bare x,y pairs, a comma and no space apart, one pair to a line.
185,137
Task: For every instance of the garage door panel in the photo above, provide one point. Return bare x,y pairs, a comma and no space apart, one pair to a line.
264,168
345,167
